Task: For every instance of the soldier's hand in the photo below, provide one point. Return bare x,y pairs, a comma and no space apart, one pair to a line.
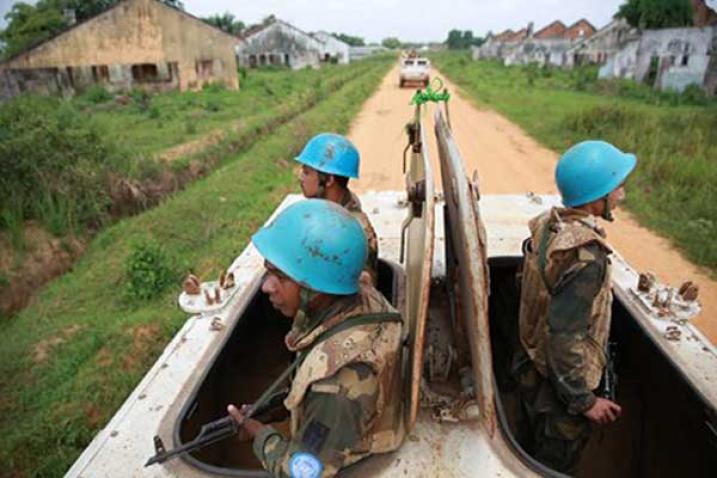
603,411
249,427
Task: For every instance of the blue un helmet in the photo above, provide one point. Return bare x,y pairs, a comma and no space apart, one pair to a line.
331,154
318,244
591,170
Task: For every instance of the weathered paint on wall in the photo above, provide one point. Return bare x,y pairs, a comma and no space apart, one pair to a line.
604,44
138,42
333,49
668,59
280,43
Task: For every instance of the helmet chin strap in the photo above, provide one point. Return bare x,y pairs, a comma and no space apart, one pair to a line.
301,325
323,179
607,211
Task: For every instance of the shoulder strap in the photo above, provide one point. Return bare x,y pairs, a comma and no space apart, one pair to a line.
355,321
345,325
542,256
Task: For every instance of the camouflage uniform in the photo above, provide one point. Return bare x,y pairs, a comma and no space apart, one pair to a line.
352,204
565,309
344,397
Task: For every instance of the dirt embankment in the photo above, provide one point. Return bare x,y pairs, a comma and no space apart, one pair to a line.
509,162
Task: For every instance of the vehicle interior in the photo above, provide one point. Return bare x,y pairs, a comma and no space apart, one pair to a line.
666,428
257,343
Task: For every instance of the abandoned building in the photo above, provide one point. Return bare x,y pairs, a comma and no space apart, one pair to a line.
136,43
333,50
279,43
547,46
607,41
668,59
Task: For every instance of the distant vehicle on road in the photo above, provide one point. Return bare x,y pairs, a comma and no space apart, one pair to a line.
414,70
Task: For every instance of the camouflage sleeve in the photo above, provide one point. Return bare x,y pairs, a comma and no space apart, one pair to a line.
337,412
568,321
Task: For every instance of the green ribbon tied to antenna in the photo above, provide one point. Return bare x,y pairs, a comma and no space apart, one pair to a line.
429,94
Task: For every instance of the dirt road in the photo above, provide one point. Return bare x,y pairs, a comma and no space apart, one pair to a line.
508,161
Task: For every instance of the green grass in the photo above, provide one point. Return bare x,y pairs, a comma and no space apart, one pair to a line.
674,137
177,117
52,405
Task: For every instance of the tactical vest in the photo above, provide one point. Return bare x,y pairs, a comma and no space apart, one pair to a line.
556,245
376,343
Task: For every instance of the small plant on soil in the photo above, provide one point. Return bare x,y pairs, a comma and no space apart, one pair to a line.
149,271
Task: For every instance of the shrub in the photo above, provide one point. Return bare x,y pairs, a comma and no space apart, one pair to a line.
55,163
694,95
214,87
213,105
148,270
531,73
96,94
141,98
190,127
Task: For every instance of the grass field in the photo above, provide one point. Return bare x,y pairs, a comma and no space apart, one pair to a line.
674,137
172,118
71,358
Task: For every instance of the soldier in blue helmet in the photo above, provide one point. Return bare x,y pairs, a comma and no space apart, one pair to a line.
328,161
565,307
344,400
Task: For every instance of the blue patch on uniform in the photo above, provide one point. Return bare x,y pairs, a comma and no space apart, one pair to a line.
305,465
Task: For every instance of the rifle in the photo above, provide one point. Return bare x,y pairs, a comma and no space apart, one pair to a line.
608,385
223,428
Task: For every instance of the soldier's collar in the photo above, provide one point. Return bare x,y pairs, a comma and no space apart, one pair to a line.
311,324
563,215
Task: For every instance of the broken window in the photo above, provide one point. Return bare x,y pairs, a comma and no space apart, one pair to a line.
685,60
101,73
205,68
262,59
286,59
252,61
145,72
70,76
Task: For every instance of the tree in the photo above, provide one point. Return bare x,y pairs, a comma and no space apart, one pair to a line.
656,13
391,43
458,40
226,22
28,25
349,40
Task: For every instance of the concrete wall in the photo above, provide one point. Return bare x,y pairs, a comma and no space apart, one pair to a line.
669,59
604,45
281,44
543,52
622,64
186,53
336,49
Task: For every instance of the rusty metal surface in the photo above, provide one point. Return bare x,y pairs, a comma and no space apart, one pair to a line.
418,262
466,242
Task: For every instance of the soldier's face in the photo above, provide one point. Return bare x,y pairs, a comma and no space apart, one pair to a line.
284,294
616,196
309,181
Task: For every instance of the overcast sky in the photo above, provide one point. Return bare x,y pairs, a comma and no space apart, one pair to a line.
409,20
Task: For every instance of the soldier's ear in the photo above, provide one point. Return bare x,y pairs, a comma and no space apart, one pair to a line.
330,180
